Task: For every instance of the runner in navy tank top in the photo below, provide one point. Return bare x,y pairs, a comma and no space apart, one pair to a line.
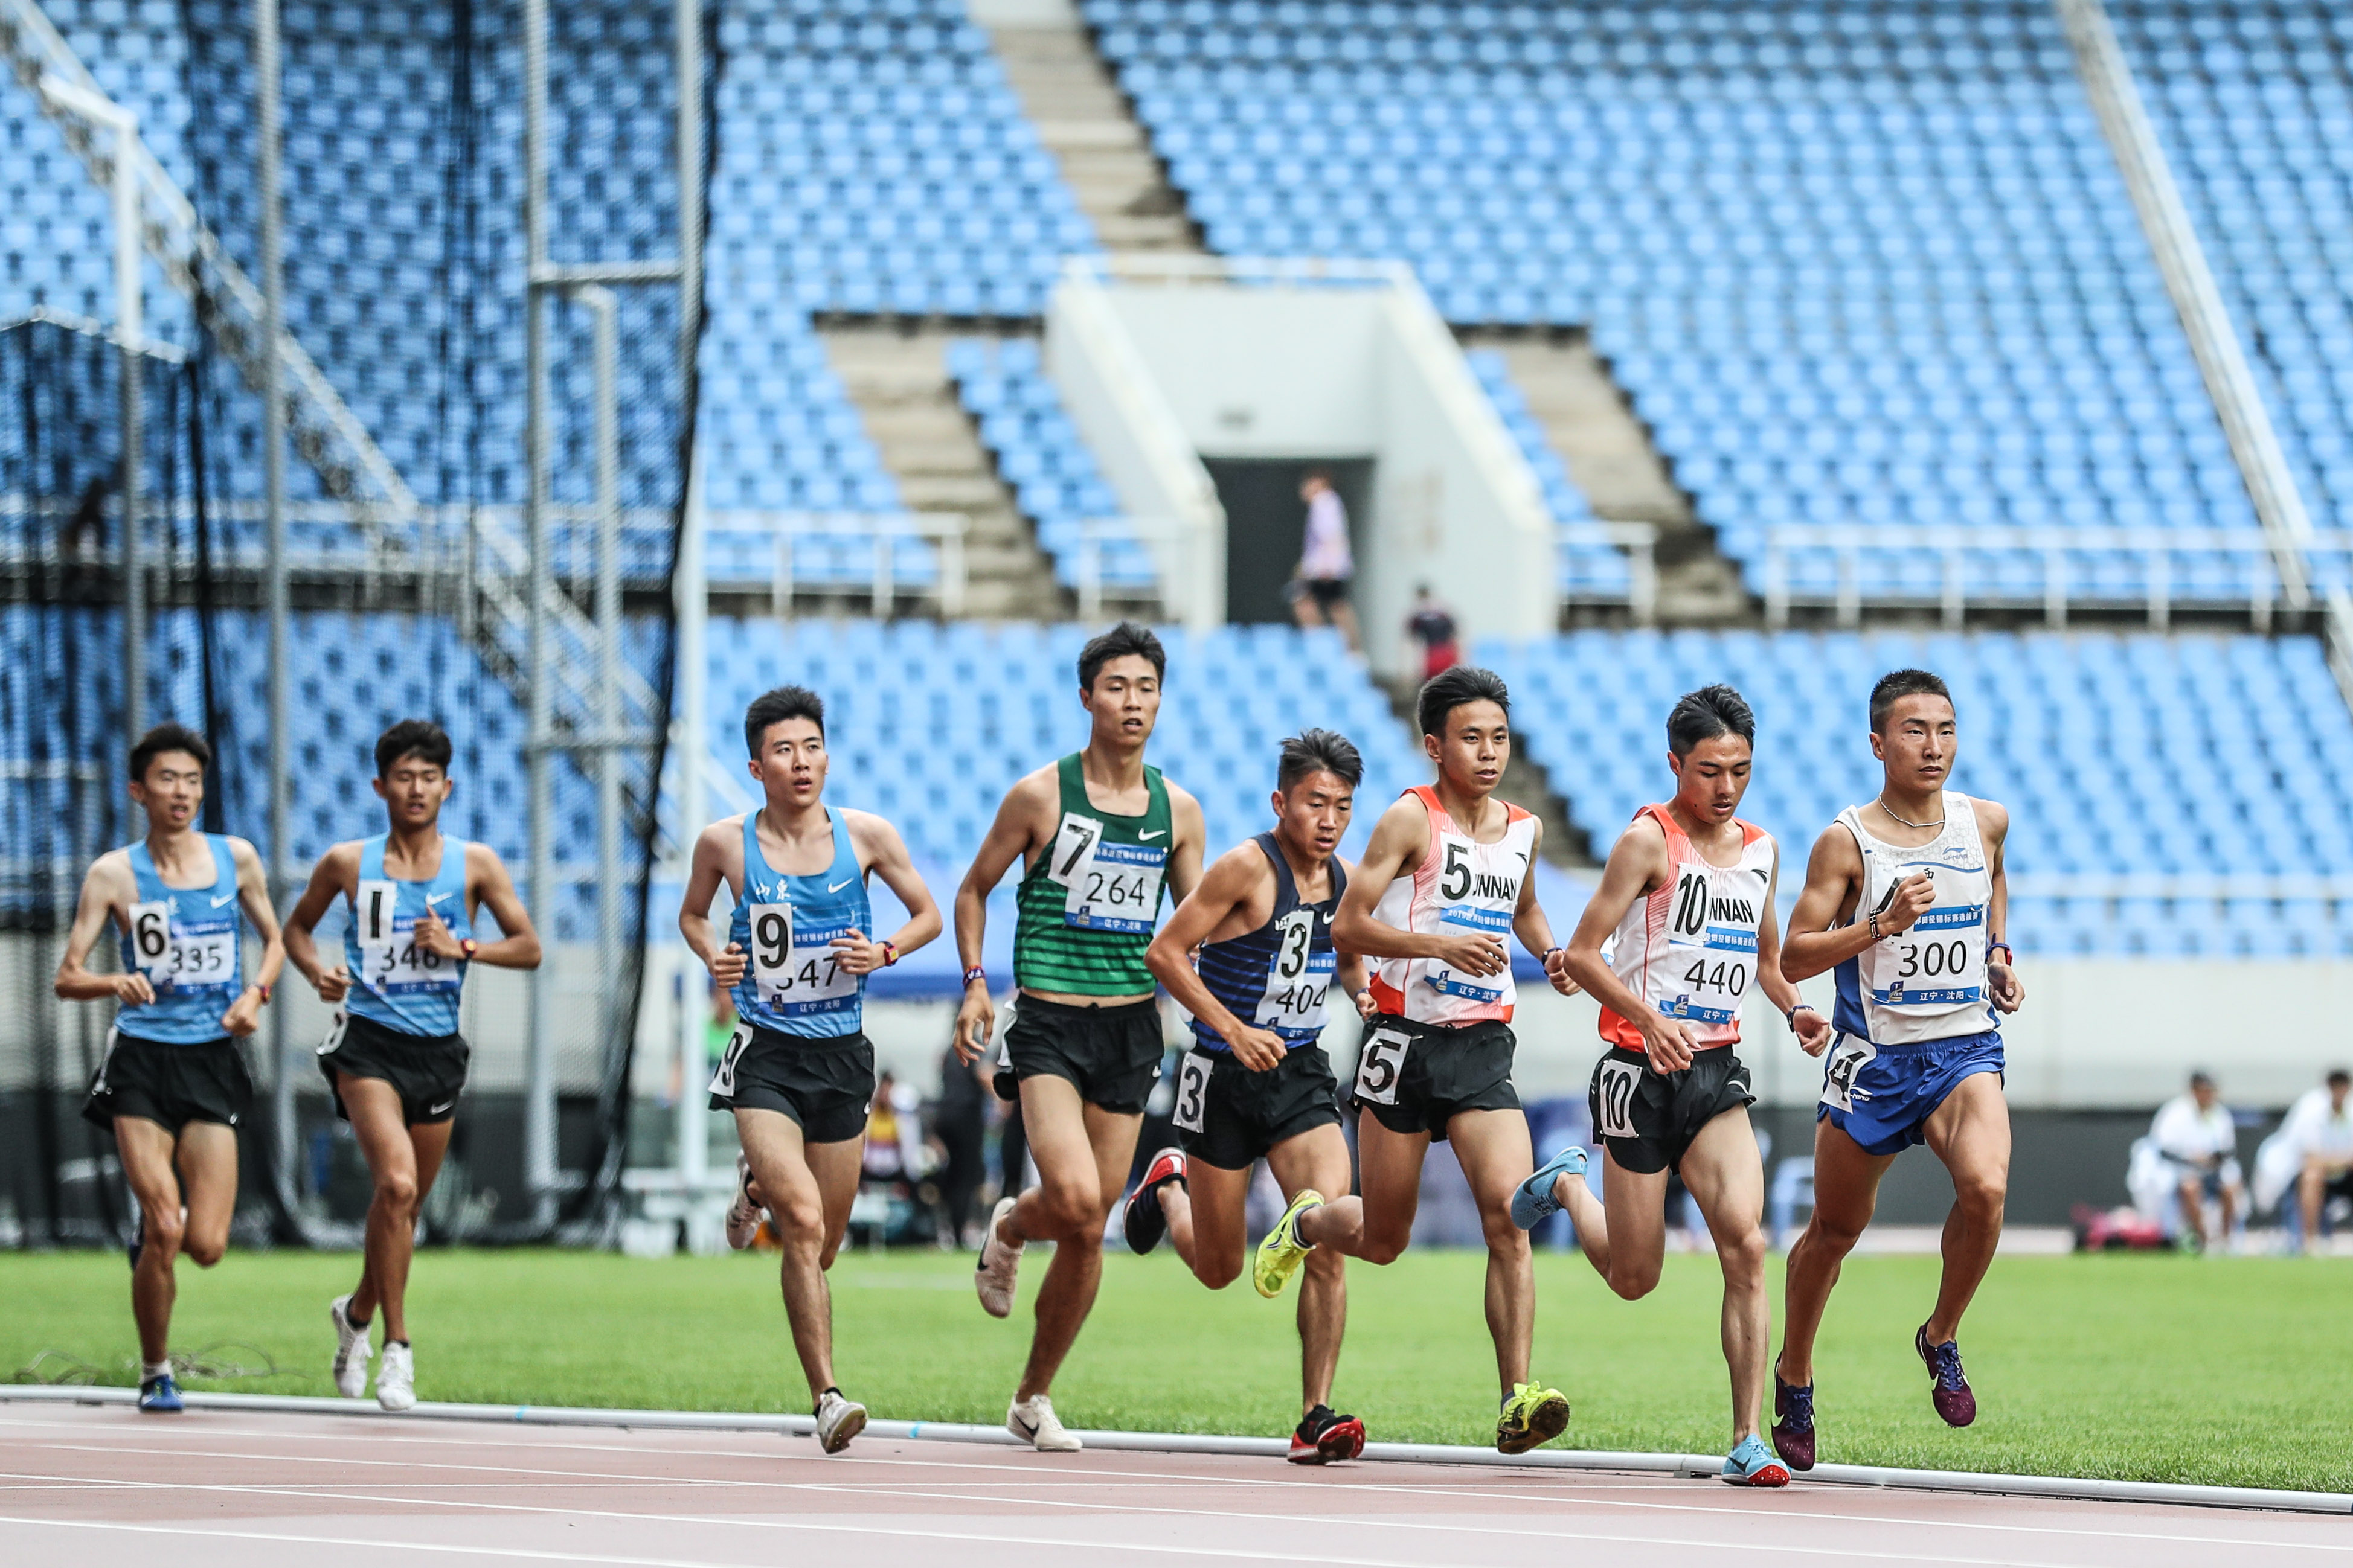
1257,1084
798,1071
394,1061
172,1085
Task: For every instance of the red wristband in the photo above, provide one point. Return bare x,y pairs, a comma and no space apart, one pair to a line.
890,953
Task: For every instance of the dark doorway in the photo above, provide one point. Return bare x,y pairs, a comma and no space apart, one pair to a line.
1266,521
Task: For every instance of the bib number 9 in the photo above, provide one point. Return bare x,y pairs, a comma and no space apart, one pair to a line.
1192,1090
722,1079
1380,1066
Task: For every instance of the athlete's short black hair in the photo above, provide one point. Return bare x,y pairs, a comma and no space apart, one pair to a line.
1450,688
1898,684
2339,1078
775,707
1122,640
1704,714
2202,1076
168,736
419,737
1319,751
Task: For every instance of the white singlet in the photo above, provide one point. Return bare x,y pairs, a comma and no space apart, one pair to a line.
1689,948
1928,983
1461,885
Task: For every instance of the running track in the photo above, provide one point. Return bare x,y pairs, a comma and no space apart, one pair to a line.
93,1487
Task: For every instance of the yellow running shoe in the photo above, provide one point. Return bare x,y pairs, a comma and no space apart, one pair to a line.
1533,1414
1280,1255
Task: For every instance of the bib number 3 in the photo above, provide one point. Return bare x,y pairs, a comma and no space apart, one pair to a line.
1192,1090
1380,1066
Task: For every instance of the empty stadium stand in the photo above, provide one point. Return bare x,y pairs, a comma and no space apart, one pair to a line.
1590,567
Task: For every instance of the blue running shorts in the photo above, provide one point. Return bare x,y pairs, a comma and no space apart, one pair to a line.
1882,1096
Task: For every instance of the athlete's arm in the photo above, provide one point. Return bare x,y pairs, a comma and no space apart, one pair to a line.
1402,841
1813,1030
1231,883
1993,829
1815,943
705,872
1638,864
337,874
1356,985
487,882
244,1014
1024,819
109,885
1190,843
888,860
1534,927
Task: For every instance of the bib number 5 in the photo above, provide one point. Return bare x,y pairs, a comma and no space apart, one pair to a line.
1380,1066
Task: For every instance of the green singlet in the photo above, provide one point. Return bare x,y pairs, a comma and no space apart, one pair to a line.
1089,902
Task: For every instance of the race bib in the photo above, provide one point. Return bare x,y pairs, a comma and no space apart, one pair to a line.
794,970
1849,1057
1614,1084
1476,988
1380,1066
1713,963
1110,887
722,1077
173,955
1297,978
391,960
1192,1090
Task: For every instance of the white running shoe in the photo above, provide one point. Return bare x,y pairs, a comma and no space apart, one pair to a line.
352,1350
1032,1420
743,1215
837,1421
999,1267
395,1380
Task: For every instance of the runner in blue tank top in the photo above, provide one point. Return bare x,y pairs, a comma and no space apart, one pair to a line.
1257,1084
798,1071
394,1059
173,1086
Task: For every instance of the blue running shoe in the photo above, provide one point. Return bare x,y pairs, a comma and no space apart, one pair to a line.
1532,1201
159,1396
1754,1465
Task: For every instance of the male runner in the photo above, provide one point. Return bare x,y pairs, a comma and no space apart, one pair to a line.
1905,898
1103,833
1257,1084
1451,868
1688,896
173,1084
394,1059
798,1068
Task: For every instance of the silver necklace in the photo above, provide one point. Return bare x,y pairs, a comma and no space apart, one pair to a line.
1905,820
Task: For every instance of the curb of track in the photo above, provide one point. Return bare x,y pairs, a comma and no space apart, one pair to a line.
1687,1465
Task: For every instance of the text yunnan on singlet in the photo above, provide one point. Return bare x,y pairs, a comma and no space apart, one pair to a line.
183,940
787,926
1929,982
395,982
1278,977
1689,948
1088,900
1461,885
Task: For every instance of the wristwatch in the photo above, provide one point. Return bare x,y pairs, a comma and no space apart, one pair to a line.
469,947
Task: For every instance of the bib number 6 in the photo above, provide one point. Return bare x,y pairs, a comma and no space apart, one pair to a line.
1380,1066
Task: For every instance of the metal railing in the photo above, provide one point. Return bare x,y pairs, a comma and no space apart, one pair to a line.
884,531
1639,540
1096,533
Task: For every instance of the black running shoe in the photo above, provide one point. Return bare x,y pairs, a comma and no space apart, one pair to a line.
1142,1223
1322,1438
1793,1430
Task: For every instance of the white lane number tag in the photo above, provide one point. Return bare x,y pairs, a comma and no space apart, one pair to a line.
1380,1065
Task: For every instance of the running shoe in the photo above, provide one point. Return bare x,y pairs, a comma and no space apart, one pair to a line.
1532,1200
999,1265
1032,1420
1950,1391
1281,1253
1533,1414
159,1395
743,1215
1142,1221
1793,1426
352,1351
396,1379
837,1421
1753,1465
1322,1438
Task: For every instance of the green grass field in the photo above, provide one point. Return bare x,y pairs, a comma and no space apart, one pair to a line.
2160,1368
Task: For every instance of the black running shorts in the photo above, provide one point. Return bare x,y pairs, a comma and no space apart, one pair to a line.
825,1083
1416,1077
1110,1054
1648,1119
429,1070
1228,1116
169,1085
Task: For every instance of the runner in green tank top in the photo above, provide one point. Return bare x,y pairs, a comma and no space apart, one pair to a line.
1104,837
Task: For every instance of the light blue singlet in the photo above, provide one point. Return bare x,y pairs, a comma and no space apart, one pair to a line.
184,940
786,925
395,983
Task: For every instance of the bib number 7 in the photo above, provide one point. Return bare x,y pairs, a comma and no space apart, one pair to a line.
1380,1065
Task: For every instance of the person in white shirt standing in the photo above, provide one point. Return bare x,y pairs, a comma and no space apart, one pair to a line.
1318,590
2196,1135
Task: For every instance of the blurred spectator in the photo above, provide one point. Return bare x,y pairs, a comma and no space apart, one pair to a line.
1326,562
2199,1140
1432,625
894,1139
2319,1129
960,1123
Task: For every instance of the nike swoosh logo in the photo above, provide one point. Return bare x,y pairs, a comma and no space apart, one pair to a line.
1148,837
225,898
438,1110
837,887
1028,1429
433,898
